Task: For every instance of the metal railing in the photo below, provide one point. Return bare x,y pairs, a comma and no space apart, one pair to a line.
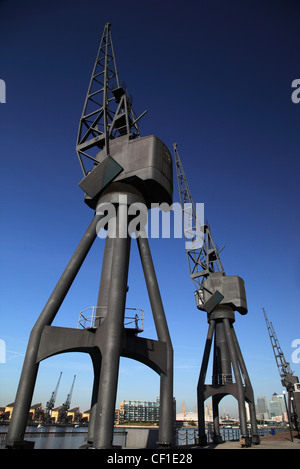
187,436
221,379
88,317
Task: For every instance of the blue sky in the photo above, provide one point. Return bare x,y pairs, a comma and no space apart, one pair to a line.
216,78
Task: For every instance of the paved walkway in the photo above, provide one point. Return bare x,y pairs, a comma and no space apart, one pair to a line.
277,441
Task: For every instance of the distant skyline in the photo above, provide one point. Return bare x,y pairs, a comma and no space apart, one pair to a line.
216,78
227,407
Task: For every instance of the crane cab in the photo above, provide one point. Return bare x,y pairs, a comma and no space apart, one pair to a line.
145,163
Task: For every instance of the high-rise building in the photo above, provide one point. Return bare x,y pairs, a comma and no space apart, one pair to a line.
277,406
262,411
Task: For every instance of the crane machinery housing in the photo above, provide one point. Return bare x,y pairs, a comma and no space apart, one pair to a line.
288,380
219,296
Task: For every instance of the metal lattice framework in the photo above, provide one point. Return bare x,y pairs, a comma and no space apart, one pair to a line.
286,374
107,111
50,404
288,379
202,253
67,403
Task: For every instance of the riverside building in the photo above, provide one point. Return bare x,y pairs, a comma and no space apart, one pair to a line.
140,411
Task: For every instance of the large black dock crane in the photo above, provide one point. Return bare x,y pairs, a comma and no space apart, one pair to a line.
288,380
219,296
121,171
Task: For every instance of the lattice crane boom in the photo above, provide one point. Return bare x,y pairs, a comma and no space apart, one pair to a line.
202,253
288,380
50,404
285,372
107,111
67,403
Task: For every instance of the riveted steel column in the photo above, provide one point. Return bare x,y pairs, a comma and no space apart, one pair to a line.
216,421
222,364
110,337
200,388
104,287
250,393
96,359
238,379
101,313
166,380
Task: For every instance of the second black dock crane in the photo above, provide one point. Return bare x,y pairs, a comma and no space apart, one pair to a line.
288,380
220,296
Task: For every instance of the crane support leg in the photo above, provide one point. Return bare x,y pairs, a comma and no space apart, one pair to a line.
110,335
250,394
17,426
238,379
102,304
202,439
166,379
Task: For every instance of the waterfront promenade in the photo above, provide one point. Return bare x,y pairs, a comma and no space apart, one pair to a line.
278,441
130,438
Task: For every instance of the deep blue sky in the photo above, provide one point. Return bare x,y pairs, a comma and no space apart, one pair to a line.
216,78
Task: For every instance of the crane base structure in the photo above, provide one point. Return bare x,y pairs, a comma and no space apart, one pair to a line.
227,353
230,376
107,340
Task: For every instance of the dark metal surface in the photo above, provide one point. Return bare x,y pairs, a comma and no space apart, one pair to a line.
166,383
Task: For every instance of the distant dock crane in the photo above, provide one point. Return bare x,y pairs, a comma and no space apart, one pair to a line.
66,405
50,404
288,380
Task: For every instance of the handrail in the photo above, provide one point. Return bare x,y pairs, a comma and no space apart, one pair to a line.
88,321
